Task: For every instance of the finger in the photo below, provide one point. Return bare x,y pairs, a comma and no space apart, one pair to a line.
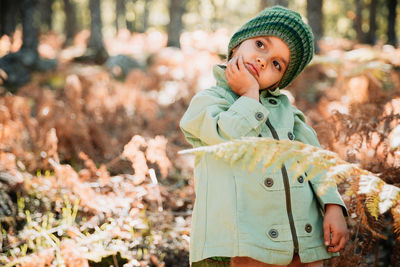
342,243
231,66
227,74
335,239
241,64
335,248
235,64
327,234
228,70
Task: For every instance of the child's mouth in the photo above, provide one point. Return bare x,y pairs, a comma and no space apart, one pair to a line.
252,69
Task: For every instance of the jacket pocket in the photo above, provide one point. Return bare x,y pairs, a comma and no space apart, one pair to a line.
282,232
270,181
300,180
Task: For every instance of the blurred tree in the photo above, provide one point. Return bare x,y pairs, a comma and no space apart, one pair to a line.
70,26
29,32
358,20
96,52
146,10
96,35
137,15
267,3
391,33
46,12
371,35
8,15
315,18
19,65
176,10
131,16
120,14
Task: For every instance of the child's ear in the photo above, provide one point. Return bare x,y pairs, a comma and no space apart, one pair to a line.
234,50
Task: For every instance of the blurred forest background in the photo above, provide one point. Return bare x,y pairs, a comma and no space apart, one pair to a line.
91,94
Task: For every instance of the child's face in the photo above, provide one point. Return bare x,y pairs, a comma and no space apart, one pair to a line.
265,57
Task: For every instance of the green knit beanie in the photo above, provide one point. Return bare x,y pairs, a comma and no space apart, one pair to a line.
290,28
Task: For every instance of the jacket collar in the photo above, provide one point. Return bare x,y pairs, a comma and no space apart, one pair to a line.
219,75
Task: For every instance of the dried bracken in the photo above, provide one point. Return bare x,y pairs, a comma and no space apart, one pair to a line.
91,168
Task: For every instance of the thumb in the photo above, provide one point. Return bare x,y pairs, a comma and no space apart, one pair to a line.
327,234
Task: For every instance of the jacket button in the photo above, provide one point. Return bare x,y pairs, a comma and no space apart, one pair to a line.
300,179
273,233
290,135
269,182
308,228
259,116
272,101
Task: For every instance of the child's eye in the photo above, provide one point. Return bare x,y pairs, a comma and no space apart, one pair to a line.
277,65
260,44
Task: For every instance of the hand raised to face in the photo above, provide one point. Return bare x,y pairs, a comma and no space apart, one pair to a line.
240,79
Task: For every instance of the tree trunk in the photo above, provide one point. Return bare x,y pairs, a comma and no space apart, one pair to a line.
358,21
8,15
315,18
19,65
96,51
371,37
46,12
391,33
130,22
120,15
70,26
176,11
29,32
146,15
96,35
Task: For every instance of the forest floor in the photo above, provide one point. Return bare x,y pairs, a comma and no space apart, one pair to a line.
88,153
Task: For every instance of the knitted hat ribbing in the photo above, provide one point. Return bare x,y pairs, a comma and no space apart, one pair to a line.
287,25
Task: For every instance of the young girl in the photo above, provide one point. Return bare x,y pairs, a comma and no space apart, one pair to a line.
259,218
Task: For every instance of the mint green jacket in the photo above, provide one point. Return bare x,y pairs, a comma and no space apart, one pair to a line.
262,215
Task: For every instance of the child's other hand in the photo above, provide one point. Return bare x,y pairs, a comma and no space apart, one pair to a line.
240,79
335,224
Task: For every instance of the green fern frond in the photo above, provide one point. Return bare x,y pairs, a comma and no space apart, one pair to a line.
372,201
249,151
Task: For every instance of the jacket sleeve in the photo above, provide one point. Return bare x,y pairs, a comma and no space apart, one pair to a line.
306,134
214,116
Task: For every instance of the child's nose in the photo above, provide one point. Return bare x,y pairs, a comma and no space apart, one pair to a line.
261,62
